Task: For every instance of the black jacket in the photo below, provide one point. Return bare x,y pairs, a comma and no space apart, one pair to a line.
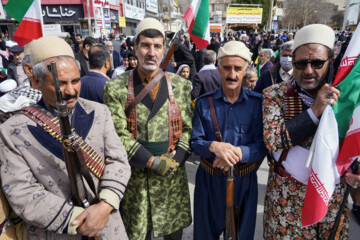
83,63
205,81
183,55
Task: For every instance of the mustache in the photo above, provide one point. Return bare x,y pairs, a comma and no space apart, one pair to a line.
68,97
310,76
231,79
151,58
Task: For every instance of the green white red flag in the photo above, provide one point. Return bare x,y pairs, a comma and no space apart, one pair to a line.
28,13
342,119
197,18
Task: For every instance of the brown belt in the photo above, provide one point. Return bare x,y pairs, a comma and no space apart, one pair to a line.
240,169
278,168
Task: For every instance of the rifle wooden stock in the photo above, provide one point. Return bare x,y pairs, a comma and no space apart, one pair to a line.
230,223
168,56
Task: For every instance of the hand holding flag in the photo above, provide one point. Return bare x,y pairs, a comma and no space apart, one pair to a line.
327,170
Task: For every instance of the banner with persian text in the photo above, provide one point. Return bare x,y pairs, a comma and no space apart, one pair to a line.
244,15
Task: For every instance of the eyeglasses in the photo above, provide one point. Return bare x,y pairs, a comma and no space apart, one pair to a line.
315,64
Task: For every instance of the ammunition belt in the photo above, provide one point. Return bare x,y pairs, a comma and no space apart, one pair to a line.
93,160
240,169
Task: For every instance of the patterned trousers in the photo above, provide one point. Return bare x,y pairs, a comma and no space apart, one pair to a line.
283,206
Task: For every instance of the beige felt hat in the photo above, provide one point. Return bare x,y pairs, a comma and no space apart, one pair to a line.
235,48
315,33
28,47
48,47
149,23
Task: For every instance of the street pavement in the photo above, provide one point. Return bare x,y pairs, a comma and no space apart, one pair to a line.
262,173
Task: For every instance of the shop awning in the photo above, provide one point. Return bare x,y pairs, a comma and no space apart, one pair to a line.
215,28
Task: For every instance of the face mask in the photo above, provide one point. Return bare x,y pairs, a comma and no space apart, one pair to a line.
285,62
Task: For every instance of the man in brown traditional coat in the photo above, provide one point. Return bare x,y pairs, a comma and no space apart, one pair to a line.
33,172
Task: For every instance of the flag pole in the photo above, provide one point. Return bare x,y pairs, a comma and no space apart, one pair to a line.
41,18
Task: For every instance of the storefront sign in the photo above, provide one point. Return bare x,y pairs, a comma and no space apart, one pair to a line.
106,14
62,12
134,12
101,3
244,15
122,22
152,6
114,16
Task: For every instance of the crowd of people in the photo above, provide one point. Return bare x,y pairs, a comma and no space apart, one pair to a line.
257,95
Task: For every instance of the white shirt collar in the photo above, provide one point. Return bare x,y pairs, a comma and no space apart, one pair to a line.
208,67
285,76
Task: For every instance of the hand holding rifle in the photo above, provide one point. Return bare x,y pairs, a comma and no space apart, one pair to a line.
93,220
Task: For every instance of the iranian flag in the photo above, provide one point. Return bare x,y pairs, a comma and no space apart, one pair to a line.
197,18
28,13
336,128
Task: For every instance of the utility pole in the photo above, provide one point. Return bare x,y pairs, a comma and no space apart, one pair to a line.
89,17
270,15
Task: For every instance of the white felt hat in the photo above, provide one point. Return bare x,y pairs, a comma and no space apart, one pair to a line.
149,23
235,48
315,33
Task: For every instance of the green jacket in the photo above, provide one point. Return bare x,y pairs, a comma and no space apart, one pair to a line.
151,201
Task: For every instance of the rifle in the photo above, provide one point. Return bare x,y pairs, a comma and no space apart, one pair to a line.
230,225
174,43
75,164
339,220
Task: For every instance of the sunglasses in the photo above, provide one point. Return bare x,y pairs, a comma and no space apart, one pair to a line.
315,64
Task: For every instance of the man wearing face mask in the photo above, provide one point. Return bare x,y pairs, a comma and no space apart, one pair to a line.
280,72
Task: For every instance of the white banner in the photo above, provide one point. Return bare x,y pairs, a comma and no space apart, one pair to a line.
152,6
134,12
353,14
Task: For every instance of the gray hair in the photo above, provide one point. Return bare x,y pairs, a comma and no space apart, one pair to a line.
41,70
26,60
267,52
209,57
252,69
288,46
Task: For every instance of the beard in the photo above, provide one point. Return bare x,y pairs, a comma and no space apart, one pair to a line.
149,67
317,83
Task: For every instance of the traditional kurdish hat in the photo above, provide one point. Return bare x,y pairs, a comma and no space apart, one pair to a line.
48,47
315,33
235,48
28,47
149,23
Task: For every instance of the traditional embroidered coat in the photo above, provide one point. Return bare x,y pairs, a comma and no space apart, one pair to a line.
34,177
284,198
152,201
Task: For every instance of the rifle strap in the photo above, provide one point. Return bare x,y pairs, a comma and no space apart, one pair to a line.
84,151
214,120
143,92
174,115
